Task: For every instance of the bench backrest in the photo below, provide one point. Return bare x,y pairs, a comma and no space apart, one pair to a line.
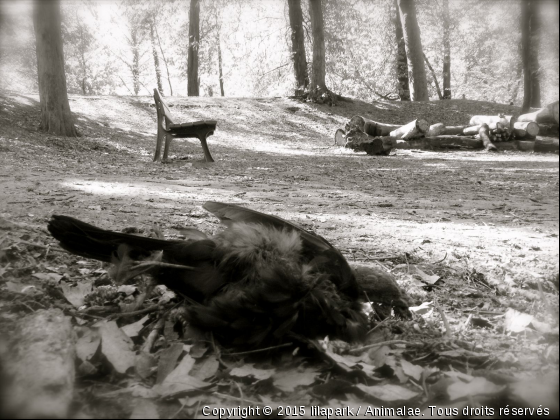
162,107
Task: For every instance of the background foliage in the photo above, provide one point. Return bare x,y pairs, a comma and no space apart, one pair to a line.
255,45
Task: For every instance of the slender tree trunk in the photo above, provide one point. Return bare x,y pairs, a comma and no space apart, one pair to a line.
438,90
135,59
156,57
56,117
414,54
194,40
534,54
318,72
164,62
518,77
525,54
402,64
298,46
220,66
446,52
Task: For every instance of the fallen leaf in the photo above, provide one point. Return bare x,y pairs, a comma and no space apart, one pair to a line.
409,369
288,380
388,392
75,294
516,321
249,370
133,329
116,346
478,386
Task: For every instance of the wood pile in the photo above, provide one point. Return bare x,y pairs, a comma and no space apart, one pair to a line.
488,132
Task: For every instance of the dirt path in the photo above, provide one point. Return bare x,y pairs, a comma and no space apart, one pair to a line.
498,211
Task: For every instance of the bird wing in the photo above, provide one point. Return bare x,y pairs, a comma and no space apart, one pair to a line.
231,213
320,254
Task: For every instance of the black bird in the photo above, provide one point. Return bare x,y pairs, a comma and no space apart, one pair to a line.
255,283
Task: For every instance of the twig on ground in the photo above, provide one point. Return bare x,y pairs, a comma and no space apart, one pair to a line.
384,343
261,350
444,319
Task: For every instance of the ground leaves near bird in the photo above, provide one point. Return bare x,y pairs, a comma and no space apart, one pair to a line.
75,294
289,380
249,370
477,386
388,392
116,346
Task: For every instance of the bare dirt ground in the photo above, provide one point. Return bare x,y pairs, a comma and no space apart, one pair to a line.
458,215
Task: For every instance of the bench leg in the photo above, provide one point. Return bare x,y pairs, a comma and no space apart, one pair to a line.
207,154
168,138
159,141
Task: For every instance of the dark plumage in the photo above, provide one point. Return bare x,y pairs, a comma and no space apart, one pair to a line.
254,283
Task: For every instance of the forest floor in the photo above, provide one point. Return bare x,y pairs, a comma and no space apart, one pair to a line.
474,233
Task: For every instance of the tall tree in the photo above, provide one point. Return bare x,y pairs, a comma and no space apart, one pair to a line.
220,62
402,64
530,27
534,54
318,72
194,40
152,24
298,46
414,53
446,52
56,117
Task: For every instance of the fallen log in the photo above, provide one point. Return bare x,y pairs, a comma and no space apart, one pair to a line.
484,134
436,130
413,129
373,128
38,368
440,142
339,137
548,114
546,145
362,142
539,145
525,129
453,130
490,119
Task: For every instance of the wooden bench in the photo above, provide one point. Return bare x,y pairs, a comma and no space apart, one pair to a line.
168,129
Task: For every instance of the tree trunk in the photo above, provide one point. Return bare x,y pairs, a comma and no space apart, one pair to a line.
518,76
534,54
438,90
156,57
318,84
56,117
414,54
194,40
135,59
526,54
298,46
446,52
164,62
220,64
402,64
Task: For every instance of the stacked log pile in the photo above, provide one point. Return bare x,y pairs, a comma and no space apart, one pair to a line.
492,133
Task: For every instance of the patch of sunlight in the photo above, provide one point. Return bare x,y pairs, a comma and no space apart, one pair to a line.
165,191
25,100
281,150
